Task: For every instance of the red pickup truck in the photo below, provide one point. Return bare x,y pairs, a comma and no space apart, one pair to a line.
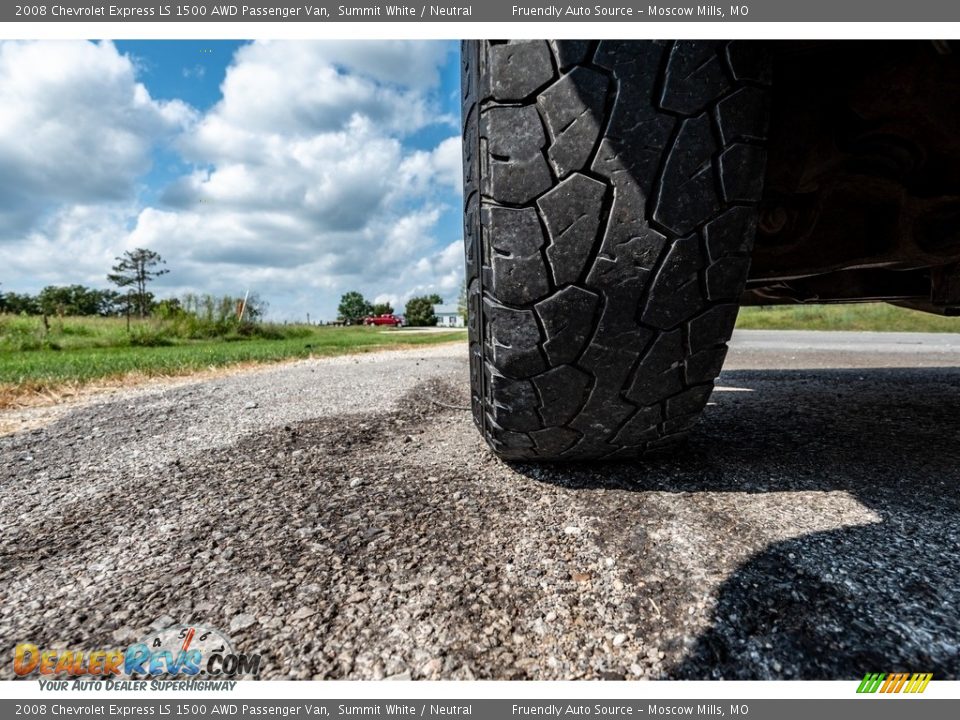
389,319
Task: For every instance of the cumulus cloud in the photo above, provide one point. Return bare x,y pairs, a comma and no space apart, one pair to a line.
74,244
440,271
304,180
275,91
75,127
335,180
422,171
308,179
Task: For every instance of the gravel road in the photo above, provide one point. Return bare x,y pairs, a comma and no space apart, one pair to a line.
343,517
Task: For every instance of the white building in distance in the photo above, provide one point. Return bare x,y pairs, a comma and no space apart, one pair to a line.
448,316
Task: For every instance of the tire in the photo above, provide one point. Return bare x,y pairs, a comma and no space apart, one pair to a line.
610,194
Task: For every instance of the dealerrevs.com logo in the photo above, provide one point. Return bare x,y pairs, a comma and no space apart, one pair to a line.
176,651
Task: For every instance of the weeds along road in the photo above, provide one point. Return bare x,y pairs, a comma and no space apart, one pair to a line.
333,516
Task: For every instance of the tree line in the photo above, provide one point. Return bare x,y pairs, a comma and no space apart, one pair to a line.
136,269
132,273
354,308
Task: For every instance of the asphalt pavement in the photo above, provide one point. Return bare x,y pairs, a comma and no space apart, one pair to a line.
344,518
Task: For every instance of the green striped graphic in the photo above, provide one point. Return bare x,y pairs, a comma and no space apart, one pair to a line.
871,682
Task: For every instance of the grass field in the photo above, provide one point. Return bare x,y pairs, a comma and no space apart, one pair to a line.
73,352
78,351
863,316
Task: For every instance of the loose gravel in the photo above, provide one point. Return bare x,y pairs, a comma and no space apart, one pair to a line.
343,518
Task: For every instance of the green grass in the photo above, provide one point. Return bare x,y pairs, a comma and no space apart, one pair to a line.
863,316
76,351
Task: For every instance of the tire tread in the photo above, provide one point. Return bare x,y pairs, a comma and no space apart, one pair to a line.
610,191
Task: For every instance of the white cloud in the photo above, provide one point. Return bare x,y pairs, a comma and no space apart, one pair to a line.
75,127
278,90
305,184
439,272
442,166
76,244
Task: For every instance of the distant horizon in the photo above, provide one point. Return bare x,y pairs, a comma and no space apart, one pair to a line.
296,170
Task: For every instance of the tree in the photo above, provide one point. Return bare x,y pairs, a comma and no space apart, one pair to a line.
384,308
353,308
419,310
110,303
169,309
134,269
56,300
75,300
20,304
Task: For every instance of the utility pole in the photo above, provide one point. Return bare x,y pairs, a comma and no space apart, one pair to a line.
243,306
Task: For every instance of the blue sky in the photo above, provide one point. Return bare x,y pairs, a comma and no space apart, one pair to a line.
299,170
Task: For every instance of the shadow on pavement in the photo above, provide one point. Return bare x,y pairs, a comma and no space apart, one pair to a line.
876,597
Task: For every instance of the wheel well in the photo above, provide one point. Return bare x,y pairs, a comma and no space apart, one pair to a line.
862,187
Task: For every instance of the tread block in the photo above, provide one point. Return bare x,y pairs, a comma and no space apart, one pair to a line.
510,444
630,249
743,116
468,59
687,193
633,160
658,374
516,181
741,172
518,69
750,60
573,108
571,213
680,424
471,247
637,132
604,410
642,427
554,441
514,340
732,232
675,293
514,403
670,441
513,132
569,52
613,54
476,381
561,393
515,238
689,402
726,276
695,76
617,328
474,300
513,138
712,328
568,321
705,365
